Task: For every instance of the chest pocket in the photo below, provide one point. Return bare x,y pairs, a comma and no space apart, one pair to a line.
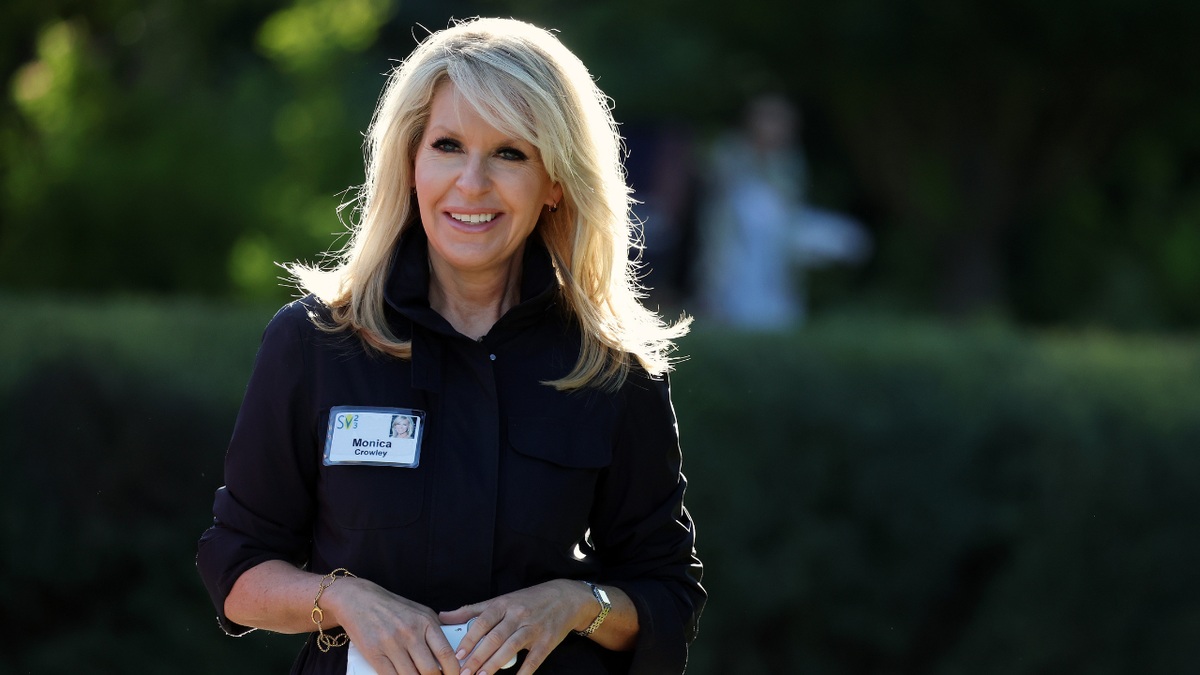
374,497
550,477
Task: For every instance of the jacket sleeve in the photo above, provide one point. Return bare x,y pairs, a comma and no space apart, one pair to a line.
643,534
265,510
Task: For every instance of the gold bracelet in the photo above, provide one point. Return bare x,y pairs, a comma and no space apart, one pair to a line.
325,642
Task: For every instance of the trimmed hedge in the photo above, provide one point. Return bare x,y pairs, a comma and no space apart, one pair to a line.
882,497
118,414
872,495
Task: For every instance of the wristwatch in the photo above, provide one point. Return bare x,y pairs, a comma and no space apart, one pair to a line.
605,605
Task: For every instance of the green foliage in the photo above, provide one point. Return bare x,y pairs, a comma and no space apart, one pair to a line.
309,35
1035,158
871,496
150,148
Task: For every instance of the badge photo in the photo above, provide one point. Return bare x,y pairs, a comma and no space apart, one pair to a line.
374,436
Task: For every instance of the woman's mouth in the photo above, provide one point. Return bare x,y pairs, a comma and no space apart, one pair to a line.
473,218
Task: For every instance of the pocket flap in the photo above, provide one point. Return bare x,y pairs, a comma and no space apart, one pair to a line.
559,442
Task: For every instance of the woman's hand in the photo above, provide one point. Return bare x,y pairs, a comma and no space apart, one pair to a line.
535,618
395,635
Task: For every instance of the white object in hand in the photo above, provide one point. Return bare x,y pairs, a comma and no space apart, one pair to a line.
356,664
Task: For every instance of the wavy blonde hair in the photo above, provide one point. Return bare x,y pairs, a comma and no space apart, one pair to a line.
523,81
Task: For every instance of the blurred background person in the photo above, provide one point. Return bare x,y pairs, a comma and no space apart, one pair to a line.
759,233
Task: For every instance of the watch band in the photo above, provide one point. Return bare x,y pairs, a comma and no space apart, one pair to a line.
605,605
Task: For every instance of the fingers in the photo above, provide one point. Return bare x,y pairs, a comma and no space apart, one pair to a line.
417,646
404,665
535,618
397,659
488,645
537,654
383,664
484,623
424,662
412,645
441,651
508,649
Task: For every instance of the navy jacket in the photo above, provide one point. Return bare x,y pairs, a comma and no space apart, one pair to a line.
517,483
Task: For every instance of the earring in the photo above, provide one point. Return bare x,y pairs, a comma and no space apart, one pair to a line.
553,207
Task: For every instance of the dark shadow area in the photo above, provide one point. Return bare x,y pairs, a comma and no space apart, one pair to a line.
109,483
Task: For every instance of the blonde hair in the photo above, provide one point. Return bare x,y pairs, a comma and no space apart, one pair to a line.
523,81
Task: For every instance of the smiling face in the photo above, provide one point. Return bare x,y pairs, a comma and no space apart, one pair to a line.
480,191
400,427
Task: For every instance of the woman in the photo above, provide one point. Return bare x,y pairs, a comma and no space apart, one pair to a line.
487,287
401,426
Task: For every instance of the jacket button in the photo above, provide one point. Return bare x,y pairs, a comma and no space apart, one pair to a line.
492,356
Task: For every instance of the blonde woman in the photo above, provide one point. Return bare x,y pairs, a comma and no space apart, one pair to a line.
487,290
401,427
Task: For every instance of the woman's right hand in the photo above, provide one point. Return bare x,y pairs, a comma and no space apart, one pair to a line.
395,635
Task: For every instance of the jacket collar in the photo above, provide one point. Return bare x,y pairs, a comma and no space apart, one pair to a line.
407,288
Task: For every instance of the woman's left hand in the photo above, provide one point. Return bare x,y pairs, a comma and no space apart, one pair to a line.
535,618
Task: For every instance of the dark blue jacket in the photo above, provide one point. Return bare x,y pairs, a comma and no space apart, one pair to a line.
517,483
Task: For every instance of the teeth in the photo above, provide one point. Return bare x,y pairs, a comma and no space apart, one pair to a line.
473,218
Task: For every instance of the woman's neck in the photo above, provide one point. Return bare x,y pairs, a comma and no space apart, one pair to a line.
474,300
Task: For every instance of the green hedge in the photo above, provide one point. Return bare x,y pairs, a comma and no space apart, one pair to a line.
118,414
872,495
881,497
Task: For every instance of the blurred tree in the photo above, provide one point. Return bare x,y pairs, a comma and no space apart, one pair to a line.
148,146
1034,157
1041,159
313,42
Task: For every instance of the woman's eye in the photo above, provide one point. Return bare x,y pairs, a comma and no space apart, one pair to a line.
511,154
445,145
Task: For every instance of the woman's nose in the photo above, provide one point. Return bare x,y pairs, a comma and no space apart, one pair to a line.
474,178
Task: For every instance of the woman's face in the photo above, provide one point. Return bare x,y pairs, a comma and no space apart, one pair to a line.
400,426
480,191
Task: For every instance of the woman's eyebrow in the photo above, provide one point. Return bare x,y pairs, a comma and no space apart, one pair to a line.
438,130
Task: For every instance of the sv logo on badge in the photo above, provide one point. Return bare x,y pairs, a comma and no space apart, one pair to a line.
347,421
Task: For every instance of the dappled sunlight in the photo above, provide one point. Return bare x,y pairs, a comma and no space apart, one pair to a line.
47,90
303,37
301,122
252,266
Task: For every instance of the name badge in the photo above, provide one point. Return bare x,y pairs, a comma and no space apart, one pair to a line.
374,436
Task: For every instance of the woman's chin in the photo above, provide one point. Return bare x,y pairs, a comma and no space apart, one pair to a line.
475,253
476,258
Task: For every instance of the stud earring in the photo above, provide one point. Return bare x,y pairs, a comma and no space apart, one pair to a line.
553,207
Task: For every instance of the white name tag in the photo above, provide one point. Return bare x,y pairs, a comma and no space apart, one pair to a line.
374,436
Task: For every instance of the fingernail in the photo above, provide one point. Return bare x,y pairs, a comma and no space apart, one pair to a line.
466,671
462,654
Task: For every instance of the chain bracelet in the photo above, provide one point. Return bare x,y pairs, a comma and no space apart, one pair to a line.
325,642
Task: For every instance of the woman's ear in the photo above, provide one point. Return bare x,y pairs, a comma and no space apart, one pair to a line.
555,195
